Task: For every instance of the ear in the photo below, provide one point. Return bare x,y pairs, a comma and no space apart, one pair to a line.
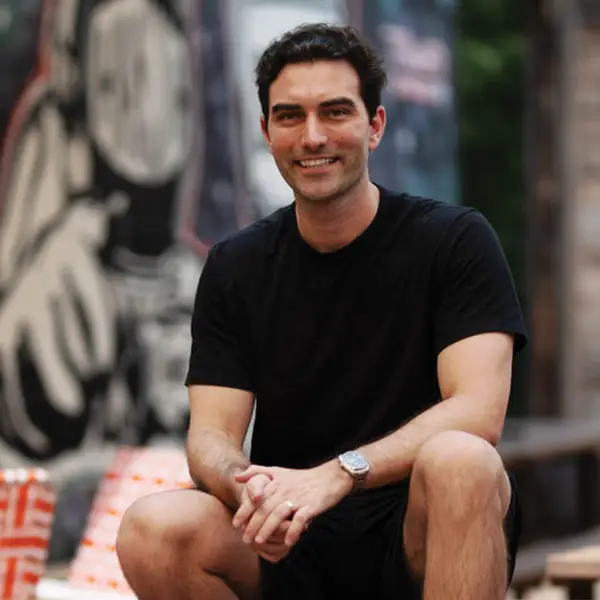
265,131
377,127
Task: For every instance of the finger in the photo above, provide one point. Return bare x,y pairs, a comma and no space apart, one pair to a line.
243,514
277,540
258,518
88,284
279,536
252,471
256,487
60,384
272,554
273,521
72,336
271,487
299,525
272,557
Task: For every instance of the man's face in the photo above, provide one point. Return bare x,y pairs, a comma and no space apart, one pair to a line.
319,131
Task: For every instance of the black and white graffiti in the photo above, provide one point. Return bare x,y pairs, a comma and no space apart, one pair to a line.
111,193
132,148
416,40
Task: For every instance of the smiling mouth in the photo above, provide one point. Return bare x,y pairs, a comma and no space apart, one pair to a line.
316,162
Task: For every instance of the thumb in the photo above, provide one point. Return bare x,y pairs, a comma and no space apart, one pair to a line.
256,487
253,471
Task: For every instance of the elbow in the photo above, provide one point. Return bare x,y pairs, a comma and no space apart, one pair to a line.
493,436
491,429
193,452
491,414
487,424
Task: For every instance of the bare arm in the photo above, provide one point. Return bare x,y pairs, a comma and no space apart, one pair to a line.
219,419
474,377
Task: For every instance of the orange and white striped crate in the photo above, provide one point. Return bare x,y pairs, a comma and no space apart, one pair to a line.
135,472
27,503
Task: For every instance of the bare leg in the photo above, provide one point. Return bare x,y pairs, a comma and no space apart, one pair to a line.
180,545
453,531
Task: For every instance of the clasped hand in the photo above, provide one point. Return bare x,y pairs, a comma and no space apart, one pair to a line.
278,501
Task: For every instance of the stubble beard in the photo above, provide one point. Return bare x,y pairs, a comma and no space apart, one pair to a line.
345,188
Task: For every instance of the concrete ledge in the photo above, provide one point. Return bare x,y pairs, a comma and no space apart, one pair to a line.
53,589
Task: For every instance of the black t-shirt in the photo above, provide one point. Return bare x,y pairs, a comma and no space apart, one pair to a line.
341,348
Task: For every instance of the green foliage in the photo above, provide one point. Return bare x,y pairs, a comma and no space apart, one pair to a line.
490,69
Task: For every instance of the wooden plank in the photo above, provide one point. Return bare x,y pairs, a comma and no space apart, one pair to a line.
531,559
580,564
536,439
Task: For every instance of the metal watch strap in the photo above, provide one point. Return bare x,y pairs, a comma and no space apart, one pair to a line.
359,482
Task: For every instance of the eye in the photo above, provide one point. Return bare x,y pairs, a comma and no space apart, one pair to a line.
287,116
337,113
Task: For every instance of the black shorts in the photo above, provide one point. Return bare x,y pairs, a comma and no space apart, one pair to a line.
356,551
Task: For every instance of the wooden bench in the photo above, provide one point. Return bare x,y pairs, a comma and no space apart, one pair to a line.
531,441
534,439
575,565
577,571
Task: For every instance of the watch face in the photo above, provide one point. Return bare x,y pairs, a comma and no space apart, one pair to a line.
355,461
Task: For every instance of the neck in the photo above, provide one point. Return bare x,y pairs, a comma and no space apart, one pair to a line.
329,225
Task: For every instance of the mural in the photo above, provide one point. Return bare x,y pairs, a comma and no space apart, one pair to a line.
418,151
91,169
102,233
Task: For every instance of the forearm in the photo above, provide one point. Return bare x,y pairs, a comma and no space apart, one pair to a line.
392,457
214,459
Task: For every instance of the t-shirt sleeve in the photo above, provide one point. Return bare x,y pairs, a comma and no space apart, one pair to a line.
474,288
219,355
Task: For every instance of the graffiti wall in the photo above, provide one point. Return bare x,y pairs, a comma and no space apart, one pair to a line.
130,144
415,38
93,162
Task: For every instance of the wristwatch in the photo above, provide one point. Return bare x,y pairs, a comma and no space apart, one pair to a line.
356,465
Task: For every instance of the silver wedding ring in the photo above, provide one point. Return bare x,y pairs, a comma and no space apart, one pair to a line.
289,504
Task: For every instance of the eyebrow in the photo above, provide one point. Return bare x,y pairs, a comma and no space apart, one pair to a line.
341,101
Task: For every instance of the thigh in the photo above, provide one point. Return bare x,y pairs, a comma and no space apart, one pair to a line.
193,529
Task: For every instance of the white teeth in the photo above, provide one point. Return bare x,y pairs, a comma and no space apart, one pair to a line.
317,162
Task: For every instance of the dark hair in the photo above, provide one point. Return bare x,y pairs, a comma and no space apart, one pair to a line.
322,41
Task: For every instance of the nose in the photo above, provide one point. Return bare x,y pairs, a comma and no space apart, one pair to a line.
313,136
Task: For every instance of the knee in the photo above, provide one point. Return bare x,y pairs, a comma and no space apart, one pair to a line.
463,471
148,528
160,528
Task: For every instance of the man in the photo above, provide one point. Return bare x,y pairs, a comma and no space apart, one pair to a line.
376,331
